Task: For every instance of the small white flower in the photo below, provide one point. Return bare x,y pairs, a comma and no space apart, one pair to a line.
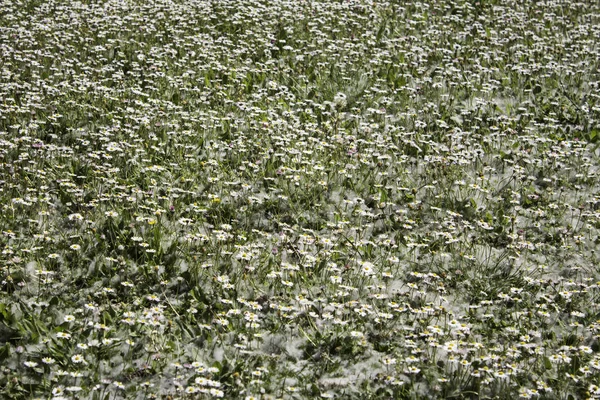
69,318
77,359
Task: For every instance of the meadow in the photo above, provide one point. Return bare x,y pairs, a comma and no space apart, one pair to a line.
299,199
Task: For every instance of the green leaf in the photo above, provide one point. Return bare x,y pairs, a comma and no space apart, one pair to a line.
593,136
4,352
7,317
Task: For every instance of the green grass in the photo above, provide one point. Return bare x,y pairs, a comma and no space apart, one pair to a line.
287,199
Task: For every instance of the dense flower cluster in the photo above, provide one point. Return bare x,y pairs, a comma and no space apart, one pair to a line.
299,199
